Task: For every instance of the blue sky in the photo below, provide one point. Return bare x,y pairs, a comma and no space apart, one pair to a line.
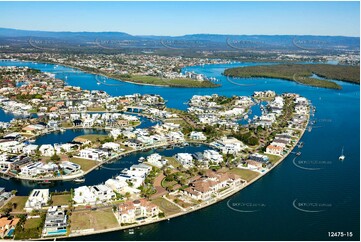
179,18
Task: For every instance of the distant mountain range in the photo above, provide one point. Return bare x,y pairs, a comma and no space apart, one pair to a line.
49,40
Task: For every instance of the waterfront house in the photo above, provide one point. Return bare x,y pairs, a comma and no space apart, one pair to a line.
208,186
37,199
229,145
212,156
117,185
7,225
185,159
252,164
69,167
139,170
115,133
93,194
156,160
94,154
88,123
258,157
201,189
112,146
33,129
264,94
30,149
47,150
67,147
136,211
55,223
133,143
194,135
280,142
274,150
83,195
102,193
6,145
175,137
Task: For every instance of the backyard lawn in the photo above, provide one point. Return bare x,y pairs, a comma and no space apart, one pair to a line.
32,229
20,203
245,174
167,207
98,219
61,199
273,158
173,162
84,163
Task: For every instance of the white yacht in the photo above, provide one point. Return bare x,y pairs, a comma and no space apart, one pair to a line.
342,156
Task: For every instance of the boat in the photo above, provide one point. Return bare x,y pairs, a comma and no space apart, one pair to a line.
298,153
44,182
342,156
31,140
5,177
300,145
79,180
131,231
141,159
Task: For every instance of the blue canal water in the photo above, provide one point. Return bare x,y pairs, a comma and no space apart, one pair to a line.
66,136
332,188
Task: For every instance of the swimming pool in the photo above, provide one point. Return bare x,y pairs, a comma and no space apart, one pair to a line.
10,233
59,232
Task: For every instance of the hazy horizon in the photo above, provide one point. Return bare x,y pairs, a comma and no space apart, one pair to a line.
186,18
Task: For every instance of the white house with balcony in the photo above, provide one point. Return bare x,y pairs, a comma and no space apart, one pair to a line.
194,135
38,198
185,159
47,150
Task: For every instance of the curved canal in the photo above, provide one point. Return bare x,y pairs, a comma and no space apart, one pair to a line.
331,187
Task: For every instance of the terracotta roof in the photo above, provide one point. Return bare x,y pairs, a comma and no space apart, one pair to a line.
273,147
203,185
5,221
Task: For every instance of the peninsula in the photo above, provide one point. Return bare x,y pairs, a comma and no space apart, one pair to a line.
159,187
317,75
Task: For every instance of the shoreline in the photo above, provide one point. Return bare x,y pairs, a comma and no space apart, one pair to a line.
111,77
193,209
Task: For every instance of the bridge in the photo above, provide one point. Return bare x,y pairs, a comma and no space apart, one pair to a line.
135,109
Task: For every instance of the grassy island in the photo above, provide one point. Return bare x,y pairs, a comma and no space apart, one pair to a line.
176,82
150,80
301,73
